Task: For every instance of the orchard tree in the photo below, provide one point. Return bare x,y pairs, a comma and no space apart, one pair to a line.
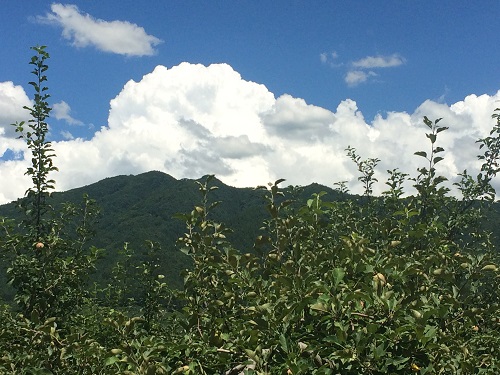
49,264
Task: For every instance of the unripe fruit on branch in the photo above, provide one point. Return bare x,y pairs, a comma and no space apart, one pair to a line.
381,277
489,267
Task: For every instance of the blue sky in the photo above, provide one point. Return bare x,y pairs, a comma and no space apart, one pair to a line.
312,77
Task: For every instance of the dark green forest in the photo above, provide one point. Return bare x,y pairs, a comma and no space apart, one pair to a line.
152,275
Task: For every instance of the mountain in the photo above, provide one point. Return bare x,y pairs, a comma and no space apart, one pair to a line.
134,209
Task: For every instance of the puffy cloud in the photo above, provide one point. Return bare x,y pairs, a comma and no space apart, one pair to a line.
62,111
371,62
12,100
67,135
293,118
191,120
83,30
14,181
355,77
238,147
361,70
13,151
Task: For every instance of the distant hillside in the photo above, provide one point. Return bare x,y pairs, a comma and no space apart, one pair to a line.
139,208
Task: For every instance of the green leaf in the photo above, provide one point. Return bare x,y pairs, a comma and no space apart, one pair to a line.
379,351
427,122
421,153
338,275
279,181
283,342
111,360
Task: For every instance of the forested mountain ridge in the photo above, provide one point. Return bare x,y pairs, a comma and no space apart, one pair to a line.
139,208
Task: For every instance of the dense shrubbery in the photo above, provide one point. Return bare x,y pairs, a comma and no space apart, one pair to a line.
386,285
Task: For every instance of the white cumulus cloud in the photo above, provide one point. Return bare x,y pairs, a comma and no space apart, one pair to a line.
361,70
355,77
12,100
62,111
293,118
120,37
191,120
67,135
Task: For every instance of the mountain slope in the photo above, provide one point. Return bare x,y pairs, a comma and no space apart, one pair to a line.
135,209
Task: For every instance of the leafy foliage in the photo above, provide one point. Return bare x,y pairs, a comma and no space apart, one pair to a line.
42,153
48,259
394,284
